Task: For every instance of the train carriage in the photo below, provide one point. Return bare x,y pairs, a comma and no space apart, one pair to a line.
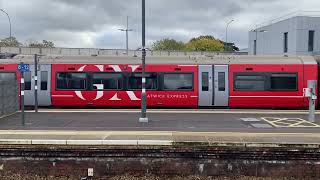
180,82
119,85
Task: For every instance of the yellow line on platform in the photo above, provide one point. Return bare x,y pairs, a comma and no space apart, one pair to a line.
7,115
289,122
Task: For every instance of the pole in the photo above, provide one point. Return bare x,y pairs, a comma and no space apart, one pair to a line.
226,44
225,47
9,22
127,36
256,45
36,83
312,85
143,117
22,97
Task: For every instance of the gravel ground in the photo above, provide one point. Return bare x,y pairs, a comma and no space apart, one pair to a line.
138,177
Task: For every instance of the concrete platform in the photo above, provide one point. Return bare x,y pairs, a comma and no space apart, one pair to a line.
166,127
143,138
253,121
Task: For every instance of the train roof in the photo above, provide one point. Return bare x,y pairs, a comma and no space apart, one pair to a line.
29,59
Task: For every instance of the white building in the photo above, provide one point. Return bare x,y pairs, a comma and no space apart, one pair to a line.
299,35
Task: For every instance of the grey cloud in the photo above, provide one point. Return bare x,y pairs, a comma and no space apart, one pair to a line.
98,20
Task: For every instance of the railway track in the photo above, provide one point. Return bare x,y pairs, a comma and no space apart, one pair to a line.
72,161
247,153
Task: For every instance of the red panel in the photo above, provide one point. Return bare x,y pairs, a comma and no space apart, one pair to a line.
310,73
8,68
270,99
124,98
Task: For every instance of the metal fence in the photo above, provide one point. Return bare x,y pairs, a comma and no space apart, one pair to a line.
9,99
106,52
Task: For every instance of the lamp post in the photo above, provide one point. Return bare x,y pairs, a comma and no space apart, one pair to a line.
143,118
9,22
226,44
127,35
255,44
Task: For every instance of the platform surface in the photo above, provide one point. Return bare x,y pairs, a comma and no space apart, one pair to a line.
166,127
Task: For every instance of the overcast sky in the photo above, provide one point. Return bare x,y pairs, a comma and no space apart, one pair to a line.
94,23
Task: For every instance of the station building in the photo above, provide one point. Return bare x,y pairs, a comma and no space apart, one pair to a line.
294,36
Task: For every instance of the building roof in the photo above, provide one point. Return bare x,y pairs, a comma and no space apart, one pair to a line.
311,14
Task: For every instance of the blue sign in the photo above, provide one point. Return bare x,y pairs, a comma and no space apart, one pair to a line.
23,67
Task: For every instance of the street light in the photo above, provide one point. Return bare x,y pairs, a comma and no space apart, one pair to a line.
256,40
226,44
9,21
127,34
143,118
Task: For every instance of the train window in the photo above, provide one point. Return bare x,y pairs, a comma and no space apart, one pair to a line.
108,80
44,81
178,81
27,81
205,81
71,81
283,81
135,81
7,76
221,81
250,82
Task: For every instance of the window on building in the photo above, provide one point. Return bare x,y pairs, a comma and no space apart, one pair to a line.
283,81
71,81
311,41
27,80
249,82
135,81
285,42
205,81
178,81
255,47
44,80
109,81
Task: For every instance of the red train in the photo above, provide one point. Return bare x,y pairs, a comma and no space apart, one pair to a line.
182,82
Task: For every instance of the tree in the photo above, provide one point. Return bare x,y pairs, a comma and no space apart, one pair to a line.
231,47
48,44
168,45
205,43
10,42
44,44
201,43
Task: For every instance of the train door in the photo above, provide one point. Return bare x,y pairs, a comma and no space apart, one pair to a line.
213,85
43,85
206,91
221,85
29,87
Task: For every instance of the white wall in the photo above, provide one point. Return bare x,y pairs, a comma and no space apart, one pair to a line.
272,41
305,24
